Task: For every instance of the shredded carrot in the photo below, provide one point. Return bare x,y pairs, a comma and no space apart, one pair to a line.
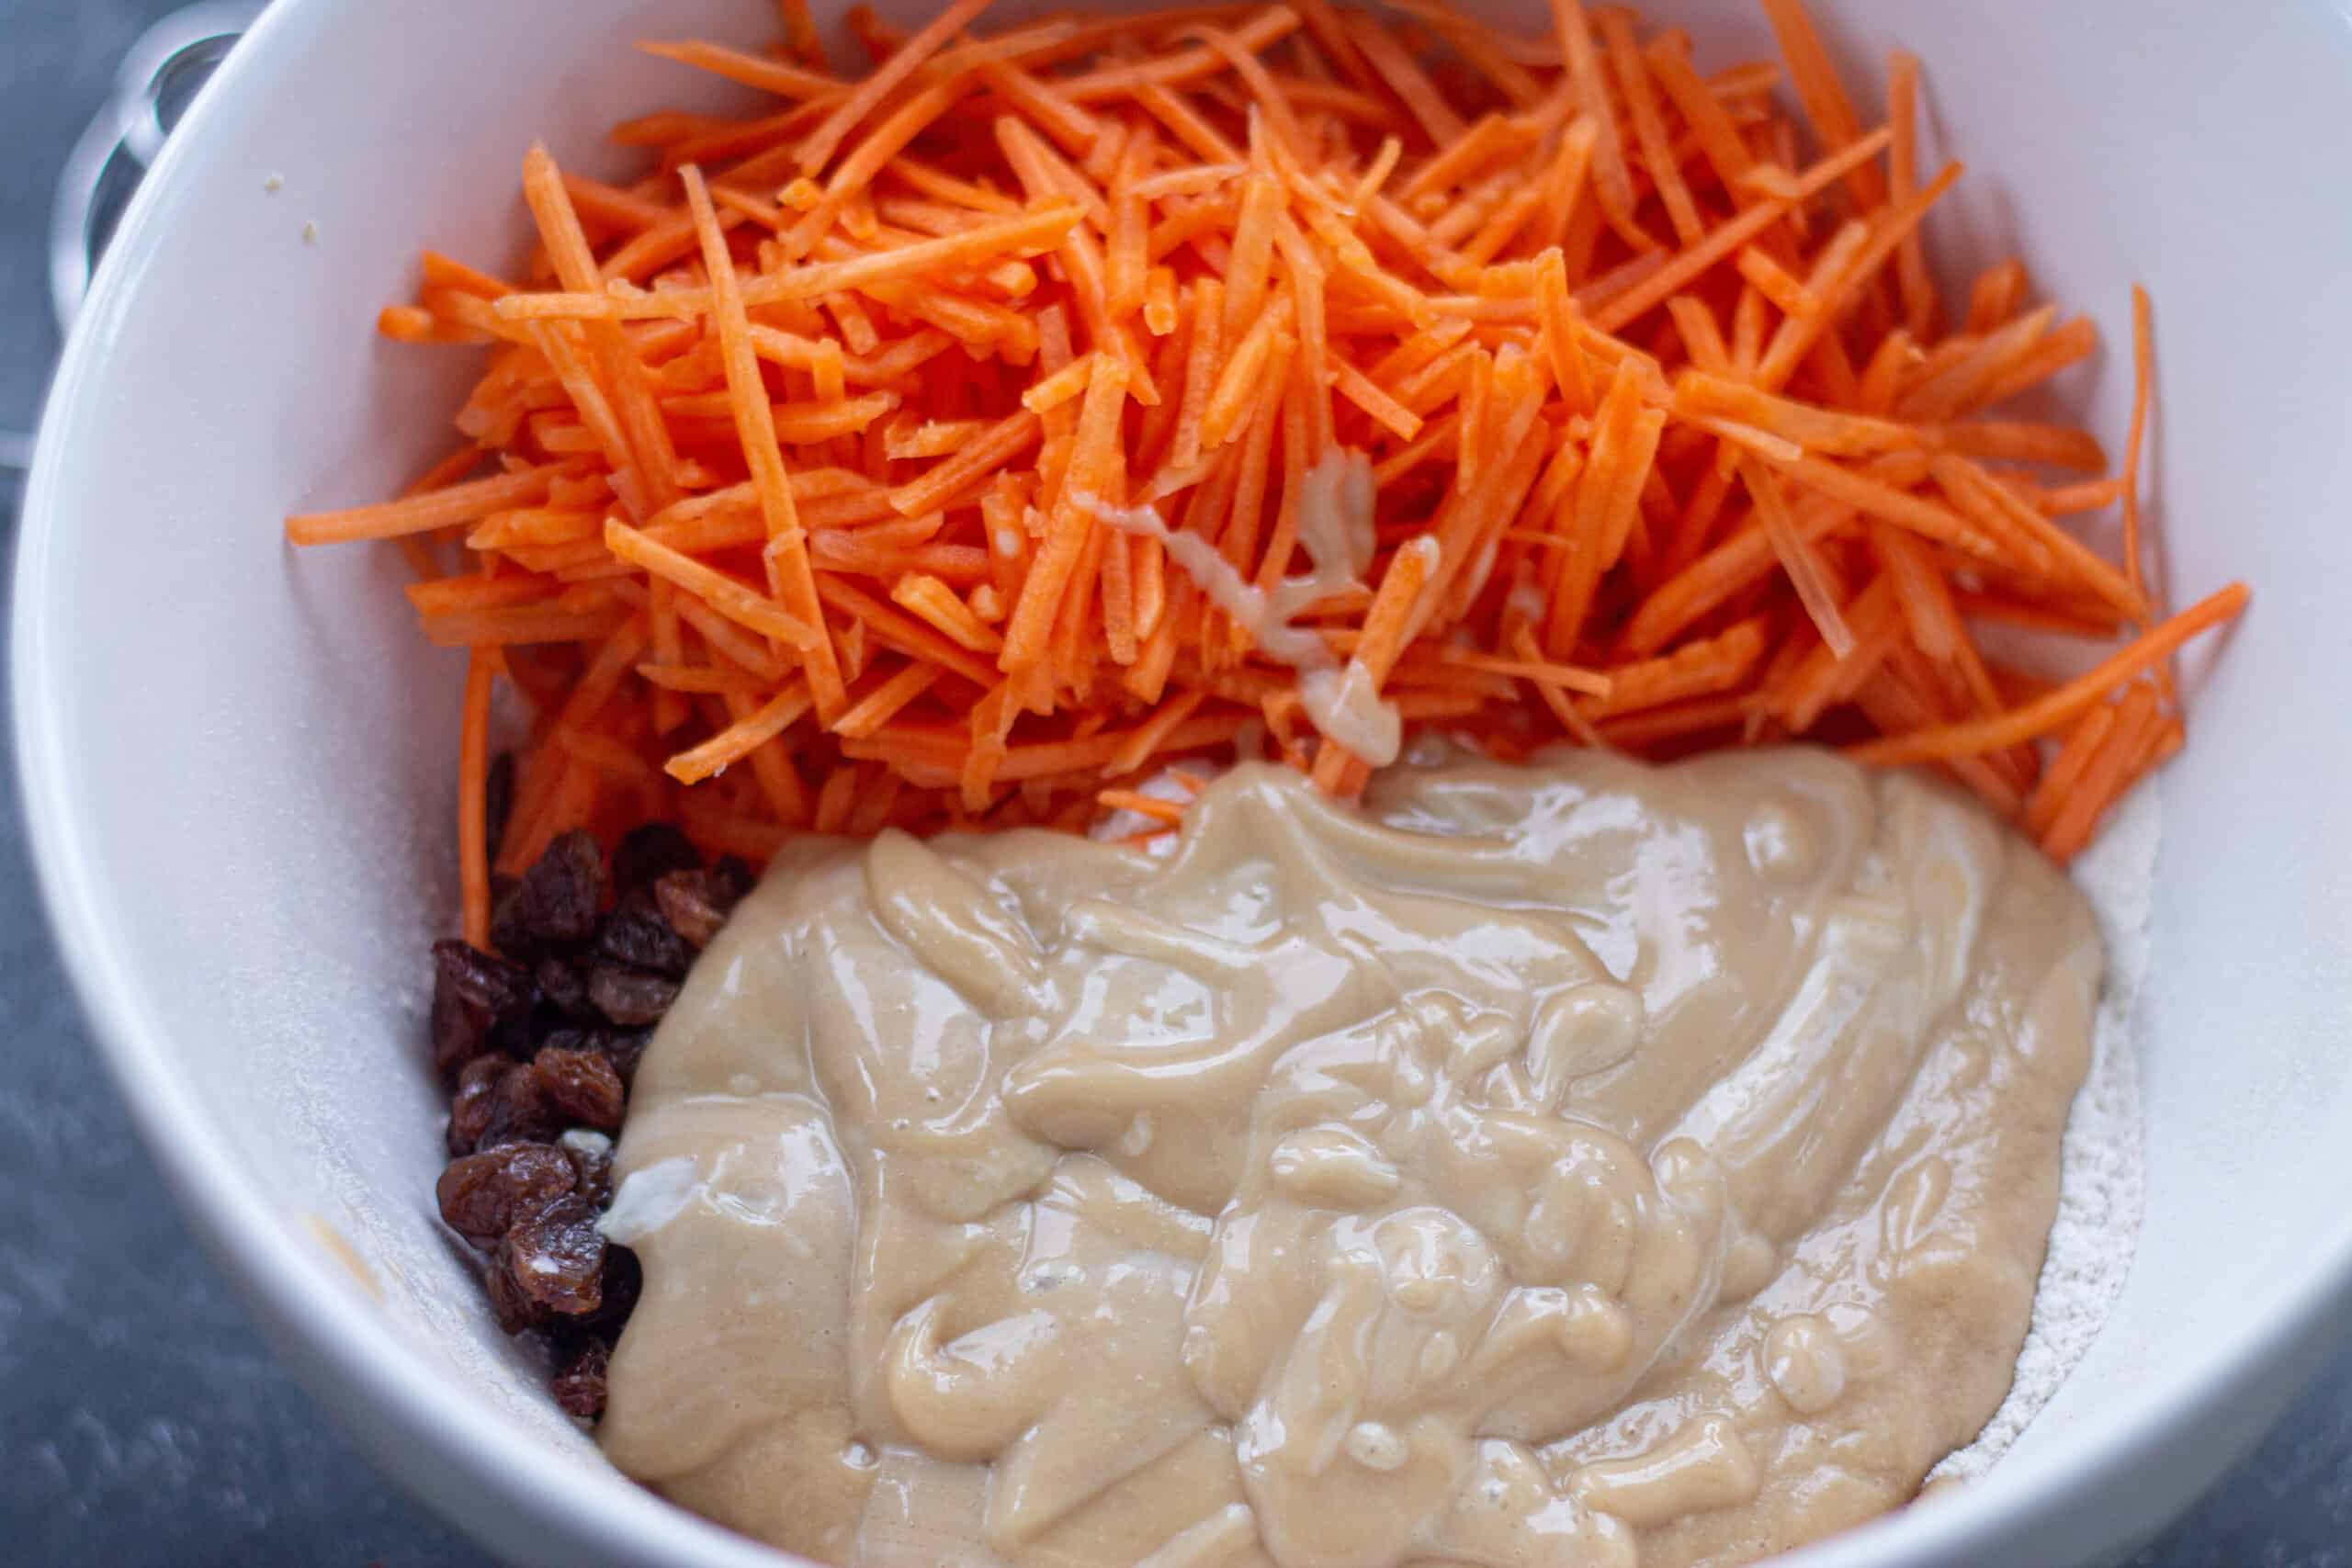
473,795
738,740
1799,560
1142,805
2142,382
2037,718
1670,440
2110,768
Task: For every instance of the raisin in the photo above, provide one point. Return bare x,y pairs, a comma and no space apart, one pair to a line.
498,801
623,1280
521,1111
514,1307
548,1037
516,1035
564,989
460,1030
651,851
556,1257
570,1037
580,1386
696,904
555,904
624,1048
735,879
629,996
470,1105
482,979
592,1165
637,935
584,1086
482,1196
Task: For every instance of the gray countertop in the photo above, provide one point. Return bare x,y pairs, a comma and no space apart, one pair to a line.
140,1422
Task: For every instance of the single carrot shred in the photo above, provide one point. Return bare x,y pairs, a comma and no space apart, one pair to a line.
2143,386
473,795
974,409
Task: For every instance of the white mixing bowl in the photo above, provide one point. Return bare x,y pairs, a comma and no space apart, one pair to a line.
237,762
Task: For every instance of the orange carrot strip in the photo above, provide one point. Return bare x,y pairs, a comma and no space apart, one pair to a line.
823,141
931,599
1696,669
1876,498
1918,289
730,598
1958,477
739,739
445,508
1147,738
1007,439
1824,96
789,577
1612,183
1142,805
2018,441
1051,574
1405,77
1919,588
1650,124
473,797
1668,58
2109,770
1807,573
702,680
1361,390
2143,384
886,700
750,69
622,375
2082,744
905,633
2040,717
1181,68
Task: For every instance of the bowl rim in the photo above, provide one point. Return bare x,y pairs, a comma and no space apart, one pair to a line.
524,1497
418,1431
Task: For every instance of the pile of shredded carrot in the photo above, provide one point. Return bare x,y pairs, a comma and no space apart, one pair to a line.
815,450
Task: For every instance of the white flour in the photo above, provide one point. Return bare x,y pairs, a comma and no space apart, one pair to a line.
2099,1195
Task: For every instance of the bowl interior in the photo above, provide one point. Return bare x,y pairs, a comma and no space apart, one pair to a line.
237,759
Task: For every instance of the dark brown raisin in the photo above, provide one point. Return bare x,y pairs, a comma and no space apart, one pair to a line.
623,1048
517,1036
584,1086
694,904
736,878
564,989
624,1280
470,1105
637,935
556,902
592,1165
651,852
498,800
580,1386
460,1030
570,1037
483,979
629,996
482,1196
521,1112
514,1308
556,1257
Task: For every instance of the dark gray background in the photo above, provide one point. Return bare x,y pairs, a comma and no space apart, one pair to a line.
139,1420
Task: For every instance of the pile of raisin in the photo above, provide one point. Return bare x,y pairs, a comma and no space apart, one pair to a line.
537,1044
